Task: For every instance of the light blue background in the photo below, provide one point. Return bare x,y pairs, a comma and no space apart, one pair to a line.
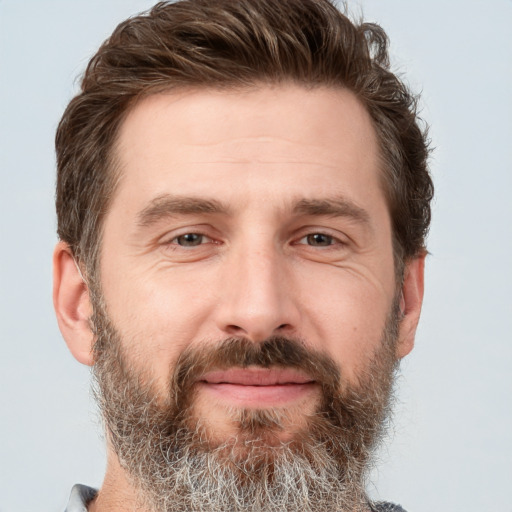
451,448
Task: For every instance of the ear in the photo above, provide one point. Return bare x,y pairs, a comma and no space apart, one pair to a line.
72,304
410,304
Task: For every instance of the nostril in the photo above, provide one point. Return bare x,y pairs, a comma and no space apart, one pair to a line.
234,328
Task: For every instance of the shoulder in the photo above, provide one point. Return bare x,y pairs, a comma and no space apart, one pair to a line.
80,496
383,506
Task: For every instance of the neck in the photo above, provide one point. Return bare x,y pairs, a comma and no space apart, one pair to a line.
116,494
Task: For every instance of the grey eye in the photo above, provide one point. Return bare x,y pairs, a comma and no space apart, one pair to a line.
190,239
319,240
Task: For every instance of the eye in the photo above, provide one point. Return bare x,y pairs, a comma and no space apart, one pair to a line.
190,240
318,240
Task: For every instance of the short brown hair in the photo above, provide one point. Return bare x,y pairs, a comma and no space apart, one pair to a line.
236,43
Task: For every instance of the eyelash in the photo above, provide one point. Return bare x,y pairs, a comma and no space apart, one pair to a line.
175,240
332,240
309,240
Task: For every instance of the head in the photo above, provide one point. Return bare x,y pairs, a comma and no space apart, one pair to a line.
243,189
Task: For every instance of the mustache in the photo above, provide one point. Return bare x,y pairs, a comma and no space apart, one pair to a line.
274,352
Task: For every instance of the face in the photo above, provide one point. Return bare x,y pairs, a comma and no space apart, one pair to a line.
248,294
239,214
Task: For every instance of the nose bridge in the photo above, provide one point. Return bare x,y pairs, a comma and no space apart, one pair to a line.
257,302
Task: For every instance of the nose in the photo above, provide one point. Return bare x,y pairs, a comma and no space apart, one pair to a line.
258,297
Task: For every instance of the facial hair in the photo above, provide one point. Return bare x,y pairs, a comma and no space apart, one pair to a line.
175,461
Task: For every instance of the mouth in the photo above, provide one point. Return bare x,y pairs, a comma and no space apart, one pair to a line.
255,387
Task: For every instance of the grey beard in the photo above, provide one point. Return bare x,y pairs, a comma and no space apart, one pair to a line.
174,464
279,479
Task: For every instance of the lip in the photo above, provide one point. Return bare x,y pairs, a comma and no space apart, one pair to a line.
257,387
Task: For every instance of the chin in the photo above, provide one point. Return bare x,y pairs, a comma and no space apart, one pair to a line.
240,427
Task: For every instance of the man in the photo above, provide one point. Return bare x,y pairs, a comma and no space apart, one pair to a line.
242,203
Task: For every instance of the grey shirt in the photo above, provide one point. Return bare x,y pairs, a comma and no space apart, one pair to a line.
81,495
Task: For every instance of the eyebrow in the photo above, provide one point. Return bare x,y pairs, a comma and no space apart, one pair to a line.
167,205
332,207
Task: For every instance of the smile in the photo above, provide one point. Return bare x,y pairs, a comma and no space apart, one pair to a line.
257,387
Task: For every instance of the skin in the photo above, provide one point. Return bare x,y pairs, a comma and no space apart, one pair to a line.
266,262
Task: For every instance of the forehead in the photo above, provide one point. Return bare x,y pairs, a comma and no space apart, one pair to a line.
286,140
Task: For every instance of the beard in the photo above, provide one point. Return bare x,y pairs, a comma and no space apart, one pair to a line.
176,461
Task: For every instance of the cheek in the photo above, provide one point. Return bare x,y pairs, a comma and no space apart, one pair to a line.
347,315
157,316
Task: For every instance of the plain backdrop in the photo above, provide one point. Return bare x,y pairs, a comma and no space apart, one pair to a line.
451,445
